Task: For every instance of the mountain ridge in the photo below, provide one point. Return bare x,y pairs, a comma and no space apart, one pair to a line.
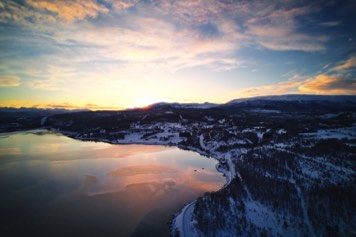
284,97
204,105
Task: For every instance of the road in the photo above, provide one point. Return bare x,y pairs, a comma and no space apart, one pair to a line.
186,219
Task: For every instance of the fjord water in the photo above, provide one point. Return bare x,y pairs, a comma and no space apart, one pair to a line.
52,185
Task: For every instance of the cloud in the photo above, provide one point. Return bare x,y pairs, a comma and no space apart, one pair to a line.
104,43
282,37
319,84
285,87
42,15
72,106
9,81
56,105
329,84
50,77
69,9
141,42
199,12
330,23
334,83
123,4
271,25
277,28
150,43
267,24
350,63
44,84
12,12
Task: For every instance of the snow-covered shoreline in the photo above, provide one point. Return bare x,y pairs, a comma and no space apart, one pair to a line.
182,221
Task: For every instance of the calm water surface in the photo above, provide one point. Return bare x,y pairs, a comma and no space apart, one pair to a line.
52,185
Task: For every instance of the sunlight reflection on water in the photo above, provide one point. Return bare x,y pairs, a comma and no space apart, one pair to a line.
55,185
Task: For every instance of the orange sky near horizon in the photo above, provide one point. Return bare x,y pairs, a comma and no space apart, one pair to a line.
106,54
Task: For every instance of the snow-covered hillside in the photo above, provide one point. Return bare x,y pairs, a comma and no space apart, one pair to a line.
289,161
297,97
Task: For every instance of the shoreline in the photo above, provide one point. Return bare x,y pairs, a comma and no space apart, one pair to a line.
179,222
182,225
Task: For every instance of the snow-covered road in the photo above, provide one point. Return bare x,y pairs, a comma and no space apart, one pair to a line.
183,221
187,217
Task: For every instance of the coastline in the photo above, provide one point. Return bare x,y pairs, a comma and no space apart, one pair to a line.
181,221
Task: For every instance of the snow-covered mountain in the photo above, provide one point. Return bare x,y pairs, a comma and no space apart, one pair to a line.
264,100
299,97
205,105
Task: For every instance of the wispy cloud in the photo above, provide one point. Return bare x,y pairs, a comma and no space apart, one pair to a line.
329,84
69,9
151,42
330,23
122,4
73,106
169,35
348,64
43,84
277,28
320,84
9,81
45,12
282,37
285,87
335,82
13,12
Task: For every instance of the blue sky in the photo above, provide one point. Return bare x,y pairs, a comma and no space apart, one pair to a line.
118,54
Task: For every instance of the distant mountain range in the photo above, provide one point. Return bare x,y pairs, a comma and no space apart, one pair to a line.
206,105
280,98
297,97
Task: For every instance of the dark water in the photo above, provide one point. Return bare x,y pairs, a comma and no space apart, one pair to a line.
51,185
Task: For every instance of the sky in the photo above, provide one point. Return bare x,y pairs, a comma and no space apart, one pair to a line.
109,54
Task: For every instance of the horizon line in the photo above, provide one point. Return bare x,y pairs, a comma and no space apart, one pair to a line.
107,108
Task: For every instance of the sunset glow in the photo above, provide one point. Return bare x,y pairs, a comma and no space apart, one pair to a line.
108,54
